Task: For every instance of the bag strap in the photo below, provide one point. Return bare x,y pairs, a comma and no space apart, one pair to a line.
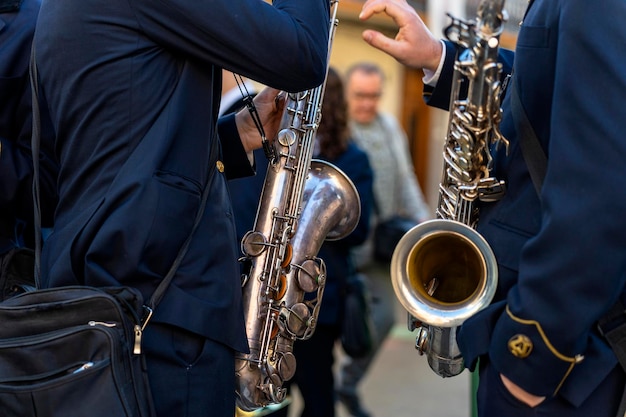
35,143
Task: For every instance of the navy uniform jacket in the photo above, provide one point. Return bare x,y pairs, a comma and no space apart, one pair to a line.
134,89
562,260
17,26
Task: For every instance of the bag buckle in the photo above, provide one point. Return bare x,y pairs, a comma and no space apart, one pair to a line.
139,328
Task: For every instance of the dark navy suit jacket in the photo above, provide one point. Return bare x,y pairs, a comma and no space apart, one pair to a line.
134,89
17,26
561,256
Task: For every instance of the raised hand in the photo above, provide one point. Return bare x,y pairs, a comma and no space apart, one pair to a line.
414,45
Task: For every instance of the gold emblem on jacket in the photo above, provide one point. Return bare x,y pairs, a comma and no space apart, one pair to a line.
520,346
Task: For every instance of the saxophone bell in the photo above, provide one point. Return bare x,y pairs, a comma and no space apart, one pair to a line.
438,290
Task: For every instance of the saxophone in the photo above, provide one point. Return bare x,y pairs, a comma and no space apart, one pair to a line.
442,270
303,202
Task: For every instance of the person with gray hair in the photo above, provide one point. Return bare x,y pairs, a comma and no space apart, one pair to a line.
396,193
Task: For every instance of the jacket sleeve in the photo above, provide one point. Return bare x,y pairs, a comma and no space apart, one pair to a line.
245,36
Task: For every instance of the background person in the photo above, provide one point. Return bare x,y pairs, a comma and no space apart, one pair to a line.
396,192
133,89
561,265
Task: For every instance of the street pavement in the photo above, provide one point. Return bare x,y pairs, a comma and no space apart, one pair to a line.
401,384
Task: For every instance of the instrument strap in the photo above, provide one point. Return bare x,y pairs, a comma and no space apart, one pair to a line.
535,157
268,149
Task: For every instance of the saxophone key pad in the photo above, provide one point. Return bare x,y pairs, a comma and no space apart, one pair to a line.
309,275
287,366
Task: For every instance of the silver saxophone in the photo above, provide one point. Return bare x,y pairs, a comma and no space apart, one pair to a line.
303,202
443,271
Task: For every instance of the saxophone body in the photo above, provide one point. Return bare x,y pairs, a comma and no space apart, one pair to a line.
443,271
303,203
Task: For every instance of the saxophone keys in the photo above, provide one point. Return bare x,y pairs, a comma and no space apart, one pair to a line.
274,332
253,243
491,190
282,287
287,137
309,275
421,341
274,390
295,319
286,366
287,256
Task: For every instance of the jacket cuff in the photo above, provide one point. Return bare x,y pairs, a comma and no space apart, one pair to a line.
439,96
233,155
521,350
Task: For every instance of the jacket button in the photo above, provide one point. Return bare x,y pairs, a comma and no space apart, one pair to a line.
520,346
220,166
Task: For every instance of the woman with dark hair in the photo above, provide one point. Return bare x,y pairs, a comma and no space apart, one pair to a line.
314,371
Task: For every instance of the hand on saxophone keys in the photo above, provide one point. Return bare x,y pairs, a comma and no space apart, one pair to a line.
268,105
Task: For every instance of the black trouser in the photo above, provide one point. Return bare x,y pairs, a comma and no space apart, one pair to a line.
190,375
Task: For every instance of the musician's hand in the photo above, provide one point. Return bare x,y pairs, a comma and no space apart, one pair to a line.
524,396
414,45
269,104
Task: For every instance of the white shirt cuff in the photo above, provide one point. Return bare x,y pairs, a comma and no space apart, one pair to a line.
430,78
